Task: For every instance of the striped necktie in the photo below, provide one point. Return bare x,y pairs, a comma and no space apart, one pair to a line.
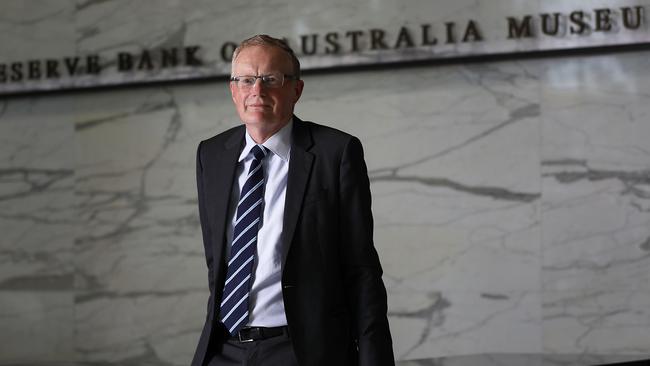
234,306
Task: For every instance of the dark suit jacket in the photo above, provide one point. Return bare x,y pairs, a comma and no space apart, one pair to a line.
334,298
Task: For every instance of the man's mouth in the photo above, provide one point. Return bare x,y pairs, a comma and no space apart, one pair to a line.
257,106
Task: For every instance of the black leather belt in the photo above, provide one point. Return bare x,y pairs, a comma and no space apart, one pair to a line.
250,334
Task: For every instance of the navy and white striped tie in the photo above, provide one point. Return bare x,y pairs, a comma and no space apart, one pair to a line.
234,306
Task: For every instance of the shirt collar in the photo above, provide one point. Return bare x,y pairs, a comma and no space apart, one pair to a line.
279,143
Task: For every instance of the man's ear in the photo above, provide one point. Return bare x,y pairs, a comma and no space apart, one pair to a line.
298,90
232,87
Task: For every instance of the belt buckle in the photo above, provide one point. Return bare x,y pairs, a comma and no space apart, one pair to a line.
244,340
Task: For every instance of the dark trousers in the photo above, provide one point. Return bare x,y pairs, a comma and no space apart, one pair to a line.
275,351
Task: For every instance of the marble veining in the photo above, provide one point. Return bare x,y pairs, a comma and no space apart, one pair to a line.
511,199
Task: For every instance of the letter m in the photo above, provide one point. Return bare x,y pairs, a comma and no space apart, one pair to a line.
520,29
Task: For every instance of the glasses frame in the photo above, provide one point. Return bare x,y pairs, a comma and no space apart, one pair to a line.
265,82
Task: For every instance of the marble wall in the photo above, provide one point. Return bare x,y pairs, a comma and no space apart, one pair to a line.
511,200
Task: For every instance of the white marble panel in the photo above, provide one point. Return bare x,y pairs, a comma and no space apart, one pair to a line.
596,205
451,207
597,322
437,324
37,226
36,326
597,238
36,29
151,327
439,123
37,212
129,26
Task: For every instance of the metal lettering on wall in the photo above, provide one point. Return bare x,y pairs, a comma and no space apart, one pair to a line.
481,29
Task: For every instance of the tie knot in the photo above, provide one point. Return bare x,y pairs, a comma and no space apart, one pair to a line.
259,152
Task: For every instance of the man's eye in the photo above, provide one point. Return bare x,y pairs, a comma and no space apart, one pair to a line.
247,80
270,79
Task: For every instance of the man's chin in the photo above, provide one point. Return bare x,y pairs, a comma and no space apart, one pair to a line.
259,118
255,120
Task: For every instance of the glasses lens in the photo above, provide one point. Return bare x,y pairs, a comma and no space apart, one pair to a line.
246,81
274,80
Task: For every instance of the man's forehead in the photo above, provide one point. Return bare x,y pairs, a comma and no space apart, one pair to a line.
262,57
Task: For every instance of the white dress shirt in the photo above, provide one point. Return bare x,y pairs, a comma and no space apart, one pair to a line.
266,306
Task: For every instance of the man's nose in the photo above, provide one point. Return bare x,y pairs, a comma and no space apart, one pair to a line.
258,85
260,82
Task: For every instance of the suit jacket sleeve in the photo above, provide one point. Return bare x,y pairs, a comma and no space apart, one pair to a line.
205,227
365,289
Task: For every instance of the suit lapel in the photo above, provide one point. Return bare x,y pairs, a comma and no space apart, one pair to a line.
300,164
221,178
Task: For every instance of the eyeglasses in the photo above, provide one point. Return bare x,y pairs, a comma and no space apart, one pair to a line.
274,80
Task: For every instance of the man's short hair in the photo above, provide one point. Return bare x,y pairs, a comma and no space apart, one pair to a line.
266,40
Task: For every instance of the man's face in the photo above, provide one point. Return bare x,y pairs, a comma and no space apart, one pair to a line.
262,107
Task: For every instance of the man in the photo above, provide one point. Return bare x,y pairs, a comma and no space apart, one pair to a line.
287,230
